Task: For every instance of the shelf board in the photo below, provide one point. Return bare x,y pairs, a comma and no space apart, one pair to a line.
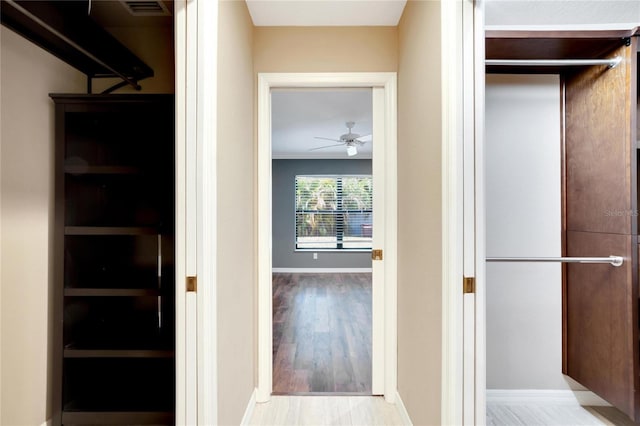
109,230
101,170
118,417
118,353
122,292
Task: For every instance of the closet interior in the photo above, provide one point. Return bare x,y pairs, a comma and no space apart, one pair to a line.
114,308
599,197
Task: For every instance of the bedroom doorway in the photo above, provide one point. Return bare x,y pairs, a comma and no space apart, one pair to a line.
325,309
322,192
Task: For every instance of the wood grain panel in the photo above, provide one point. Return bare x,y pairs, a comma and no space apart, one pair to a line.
599,148
601,302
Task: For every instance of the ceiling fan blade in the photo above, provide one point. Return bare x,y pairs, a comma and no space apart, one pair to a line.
365,138
327,146
327,139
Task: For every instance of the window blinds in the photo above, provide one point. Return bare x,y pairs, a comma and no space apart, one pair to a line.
333,212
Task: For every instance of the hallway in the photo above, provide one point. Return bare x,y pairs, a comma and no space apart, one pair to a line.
326,410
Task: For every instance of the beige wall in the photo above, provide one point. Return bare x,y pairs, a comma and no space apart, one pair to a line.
236,216
410,50
28,75
419,217
154,46
325,49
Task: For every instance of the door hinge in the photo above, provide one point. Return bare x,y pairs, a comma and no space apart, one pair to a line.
192,284
376,254
468,285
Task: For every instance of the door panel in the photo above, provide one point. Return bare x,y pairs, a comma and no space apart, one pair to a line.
600,318
598,162
600,315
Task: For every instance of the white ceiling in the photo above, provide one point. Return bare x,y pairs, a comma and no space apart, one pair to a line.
325,12
299,115
576,14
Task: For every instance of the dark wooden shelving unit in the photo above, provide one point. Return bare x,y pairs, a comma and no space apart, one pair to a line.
109,230
115,292
114,350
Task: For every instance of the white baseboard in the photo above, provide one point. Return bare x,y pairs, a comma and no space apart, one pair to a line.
48,422
248,412
402,410
547,397
320,270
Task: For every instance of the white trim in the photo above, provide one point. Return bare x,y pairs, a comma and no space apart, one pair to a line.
321,270
192,132
390,301
180,12
48,422
480,228
248,412
266,81
452,220
206,196
544,397
264,385
402,411
379,181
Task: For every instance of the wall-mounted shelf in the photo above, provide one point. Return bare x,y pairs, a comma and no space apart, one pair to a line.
64,29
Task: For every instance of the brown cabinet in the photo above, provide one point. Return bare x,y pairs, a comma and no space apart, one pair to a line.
600,201
114,329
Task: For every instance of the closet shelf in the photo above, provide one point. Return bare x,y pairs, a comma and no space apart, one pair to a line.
117,292
71,416
102,170
109,230
118,353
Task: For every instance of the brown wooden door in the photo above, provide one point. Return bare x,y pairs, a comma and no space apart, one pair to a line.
600,307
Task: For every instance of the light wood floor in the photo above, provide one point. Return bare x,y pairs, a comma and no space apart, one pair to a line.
325,410
322,333
554,415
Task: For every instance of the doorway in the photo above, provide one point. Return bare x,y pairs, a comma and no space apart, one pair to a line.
383,284
322,240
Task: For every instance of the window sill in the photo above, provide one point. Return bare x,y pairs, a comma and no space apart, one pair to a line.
325,250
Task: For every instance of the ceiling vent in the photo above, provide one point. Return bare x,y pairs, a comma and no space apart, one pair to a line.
146,8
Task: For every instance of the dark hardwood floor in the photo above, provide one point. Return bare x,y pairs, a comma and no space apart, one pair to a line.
322,333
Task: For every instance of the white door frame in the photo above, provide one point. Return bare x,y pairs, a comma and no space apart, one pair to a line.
463,369
386,330
478,72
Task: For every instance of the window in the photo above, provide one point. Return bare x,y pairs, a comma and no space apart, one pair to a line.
333,212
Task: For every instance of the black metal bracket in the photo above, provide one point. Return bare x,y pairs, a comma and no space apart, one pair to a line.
121,84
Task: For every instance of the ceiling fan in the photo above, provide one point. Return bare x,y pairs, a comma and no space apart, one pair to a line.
350,140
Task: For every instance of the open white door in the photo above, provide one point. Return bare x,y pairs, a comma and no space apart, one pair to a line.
474,216
195,115
463,218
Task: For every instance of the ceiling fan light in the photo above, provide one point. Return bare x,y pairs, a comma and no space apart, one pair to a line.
351,150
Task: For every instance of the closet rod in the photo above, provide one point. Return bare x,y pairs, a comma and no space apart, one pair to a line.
611,63
71,43
613,260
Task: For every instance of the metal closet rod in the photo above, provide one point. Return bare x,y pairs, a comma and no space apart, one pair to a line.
611,63
613,260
